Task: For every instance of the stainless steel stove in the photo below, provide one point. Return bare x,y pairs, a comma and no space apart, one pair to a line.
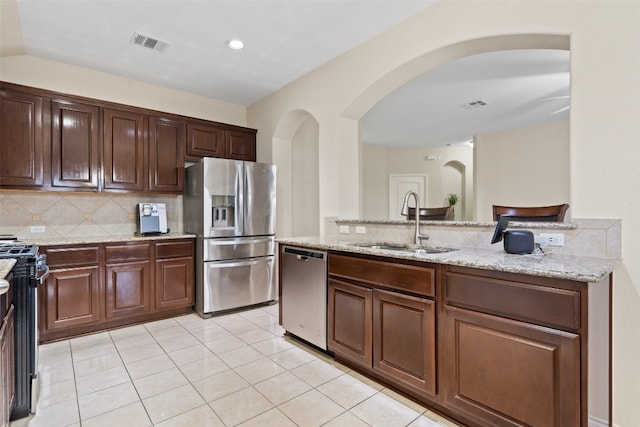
29,271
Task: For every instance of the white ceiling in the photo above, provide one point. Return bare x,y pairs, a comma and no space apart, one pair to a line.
286,39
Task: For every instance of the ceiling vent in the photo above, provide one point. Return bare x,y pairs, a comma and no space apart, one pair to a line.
474,104
142,40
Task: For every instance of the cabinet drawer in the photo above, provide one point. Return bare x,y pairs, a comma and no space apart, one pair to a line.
126,252
174,249
70,257
523,301
394,275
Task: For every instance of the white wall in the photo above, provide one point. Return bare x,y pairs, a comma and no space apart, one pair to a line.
522,167
304,183
378,163
40,73
604,36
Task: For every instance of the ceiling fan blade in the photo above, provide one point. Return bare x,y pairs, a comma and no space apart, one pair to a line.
560,110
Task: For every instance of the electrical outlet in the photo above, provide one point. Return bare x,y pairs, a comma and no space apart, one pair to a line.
361,230
552,239
37,229
344,229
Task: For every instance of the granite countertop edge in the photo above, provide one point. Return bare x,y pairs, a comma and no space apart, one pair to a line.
79,240
5,267
583,269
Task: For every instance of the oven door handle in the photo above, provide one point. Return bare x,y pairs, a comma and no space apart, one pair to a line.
42,277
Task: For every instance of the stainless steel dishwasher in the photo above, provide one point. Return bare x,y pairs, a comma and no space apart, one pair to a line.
303,300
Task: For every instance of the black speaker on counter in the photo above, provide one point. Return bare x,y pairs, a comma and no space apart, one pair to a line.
518,242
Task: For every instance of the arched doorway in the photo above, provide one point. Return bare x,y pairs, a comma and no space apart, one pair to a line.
295,143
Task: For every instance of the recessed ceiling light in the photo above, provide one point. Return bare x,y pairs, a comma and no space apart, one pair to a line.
234,44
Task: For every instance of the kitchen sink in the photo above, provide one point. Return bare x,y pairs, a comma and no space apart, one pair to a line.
403,247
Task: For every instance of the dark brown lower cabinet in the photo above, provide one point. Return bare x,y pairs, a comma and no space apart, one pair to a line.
96,287
389,334
510,373
128,279
486,348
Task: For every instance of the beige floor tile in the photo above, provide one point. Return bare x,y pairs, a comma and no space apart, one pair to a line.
404,400
440,420
381,410
94,404
55,354
240,406
144,367
311,409
224,344
129,341
346,419
220,385
189,354
145,351
203,368
56,393
282,388
127,331
101,380
160,324
255,335
276,329
271,418
88,351
97,364
317,372
50,375
240,356
132,415
292,358
202,416
178,342
170,332
210,333
272,346
347,391
423,421
60,414
171,403
259,370
90,340
159,382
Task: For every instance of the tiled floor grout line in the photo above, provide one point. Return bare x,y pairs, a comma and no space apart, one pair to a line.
289,355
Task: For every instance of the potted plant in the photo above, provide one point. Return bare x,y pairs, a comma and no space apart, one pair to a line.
452,199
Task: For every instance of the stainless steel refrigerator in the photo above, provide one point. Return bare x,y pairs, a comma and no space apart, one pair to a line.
231,206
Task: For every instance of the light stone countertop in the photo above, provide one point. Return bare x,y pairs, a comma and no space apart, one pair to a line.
78,240
5,267
551,265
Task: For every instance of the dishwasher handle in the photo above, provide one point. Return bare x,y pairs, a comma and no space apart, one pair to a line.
304,255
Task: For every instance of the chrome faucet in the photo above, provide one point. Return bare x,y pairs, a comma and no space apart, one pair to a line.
405,211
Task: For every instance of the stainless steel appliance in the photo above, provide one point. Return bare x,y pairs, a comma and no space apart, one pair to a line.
230,205
152,218
303,302
29,271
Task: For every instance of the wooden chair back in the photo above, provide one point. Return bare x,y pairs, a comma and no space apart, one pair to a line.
432,214
553,213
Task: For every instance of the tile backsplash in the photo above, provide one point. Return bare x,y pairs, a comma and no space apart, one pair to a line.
77,214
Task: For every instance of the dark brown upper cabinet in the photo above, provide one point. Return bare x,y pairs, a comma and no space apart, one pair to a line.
123,153
167,138
205,140
74,145
21,140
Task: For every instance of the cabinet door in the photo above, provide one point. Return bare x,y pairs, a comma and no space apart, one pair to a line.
205,140
504,372
72,298
128,288
404,337
166,154
174,283
123,153
350,317
74,145
241,146
21,140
